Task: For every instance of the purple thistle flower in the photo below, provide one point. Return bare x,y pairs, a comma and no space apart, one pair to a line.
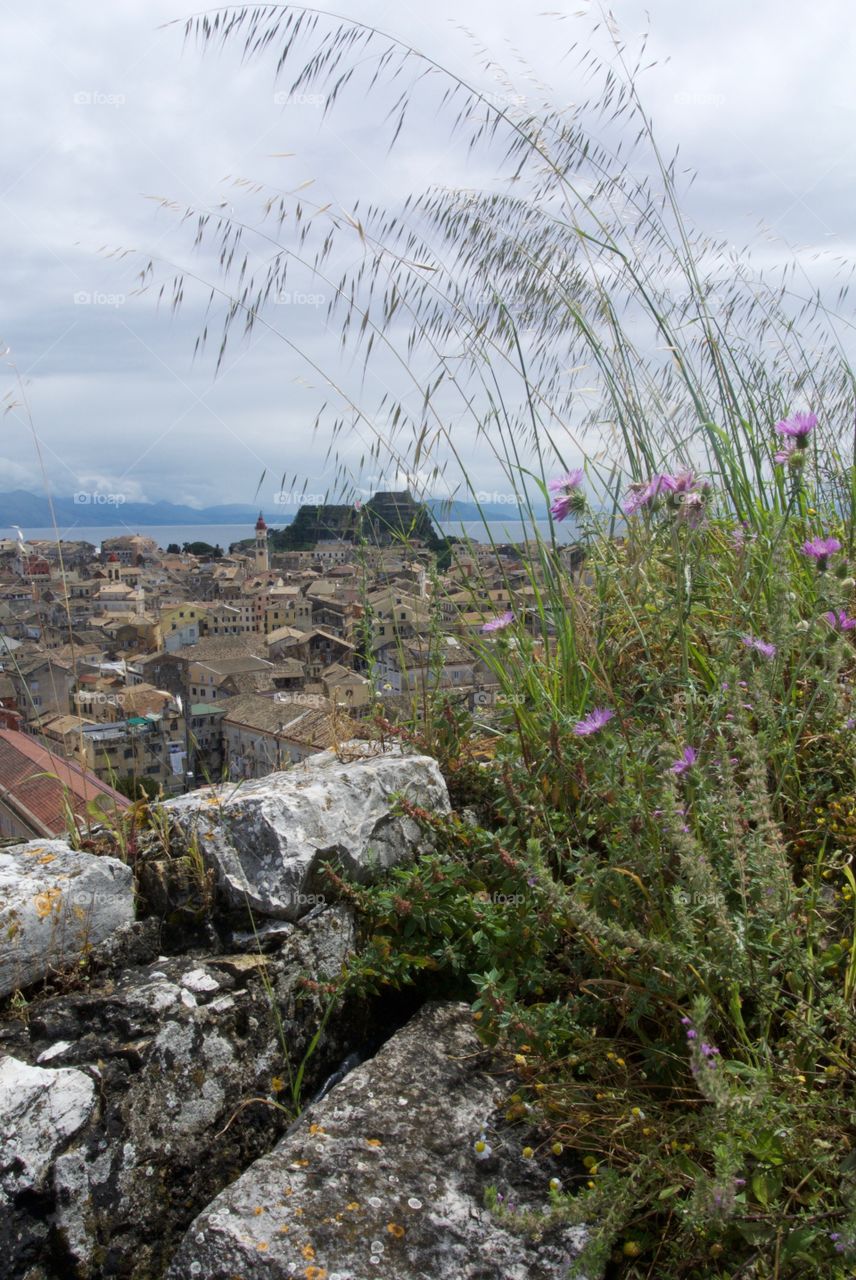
839,620
572,480
644,492
497,624
798,426
786,453
568,497
561,507
687,760
740,536
594,721
763,647
638,496
820,548
685,484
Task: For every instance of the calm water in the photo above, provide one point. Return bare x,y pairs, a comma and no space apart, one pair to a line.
223,534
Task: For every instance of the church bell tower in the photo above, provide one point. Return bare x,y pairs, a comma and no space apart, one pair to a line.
262,558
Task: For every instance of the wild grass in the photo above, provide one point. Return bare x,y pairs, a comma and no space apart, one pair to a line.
655,913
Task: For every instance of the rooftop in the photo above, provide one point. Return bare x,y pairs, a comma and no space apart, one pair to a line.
39,786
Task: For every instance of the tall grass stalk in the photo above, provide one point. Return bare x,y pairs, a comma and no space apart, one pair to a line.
656,915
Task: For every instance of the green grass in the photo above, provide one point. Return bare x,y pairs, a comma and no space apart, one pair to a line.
614,919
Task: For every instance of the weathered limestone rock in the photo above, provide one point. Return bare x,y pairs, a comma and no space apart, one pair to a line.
56,903
40,1111
379,1179
268,838
179,1065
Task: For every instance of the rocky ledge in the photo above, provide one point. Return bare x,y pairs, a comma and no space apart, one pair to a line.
186,1101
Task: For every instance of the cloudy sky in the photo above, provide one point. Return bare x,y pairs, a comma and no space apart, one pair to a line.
106,113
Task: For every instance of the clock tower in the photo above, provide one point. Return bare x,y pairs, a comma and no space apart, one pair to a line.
262,557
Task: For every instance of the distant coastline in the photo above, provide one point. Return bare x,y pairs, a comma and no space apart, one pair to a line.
505,530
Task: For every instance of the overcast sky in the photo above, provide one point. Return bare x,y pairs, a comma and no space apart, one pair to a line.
103,109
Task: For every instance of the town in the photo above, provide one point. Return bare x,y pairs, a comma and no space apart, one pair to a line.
129,671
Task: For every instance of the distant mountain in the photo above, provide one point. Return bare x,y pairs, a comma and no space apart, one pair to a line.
448,511
31,511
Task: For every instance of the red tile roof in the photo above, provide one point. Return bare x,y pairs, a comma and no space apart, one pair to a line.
38,785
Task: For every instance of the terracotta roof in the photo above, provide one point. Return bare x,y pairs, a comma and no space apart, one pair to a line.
289,721
38,785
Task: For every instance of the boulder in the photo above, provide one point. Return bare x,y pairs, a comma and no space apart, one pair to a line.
267,838
40,1111
380,1179
56,903
179,1071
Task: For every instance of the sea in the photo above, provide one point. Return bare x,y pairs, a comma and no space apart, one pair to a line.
224,534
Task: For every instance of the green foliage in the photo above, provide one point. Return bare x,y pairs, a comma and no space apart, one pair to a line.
663,945
136,788
656,920
203,549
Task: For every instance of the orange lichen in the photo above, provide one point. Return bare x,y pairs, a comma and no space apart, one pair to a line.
47,902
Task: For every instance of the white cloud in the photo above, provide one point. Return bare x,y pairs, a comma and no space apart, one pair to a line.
104,108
